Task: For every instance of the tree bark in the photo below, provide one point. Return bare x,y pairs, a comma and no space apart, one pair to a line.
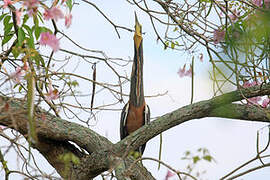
54,134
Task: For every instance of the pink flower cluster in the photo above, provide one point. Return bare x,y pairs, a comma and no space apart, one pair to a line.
234,16
68,19
259,3
46,38
55,13
219,35
19,73
183,72
169,174
255,100
32,6
6,3
18,17
52,94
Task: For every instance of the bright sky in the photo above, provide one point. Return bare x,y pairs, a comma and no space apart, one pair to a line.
230,142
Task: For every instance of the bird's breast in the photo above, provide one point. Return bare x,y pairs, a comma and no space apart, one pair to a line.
135,118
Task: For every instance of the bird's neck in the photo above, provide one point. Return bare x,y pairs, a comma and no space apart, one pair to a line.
136,87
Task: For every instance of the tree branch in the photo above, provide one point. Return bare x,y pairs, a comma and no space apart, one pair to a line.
54,133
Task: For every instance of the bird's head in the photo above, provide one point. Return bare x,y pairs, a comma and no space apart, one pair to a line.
138,33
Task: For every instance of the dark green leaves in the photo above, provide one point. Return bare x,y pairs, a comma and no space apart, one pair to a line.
8,33
196,159
7,38
21,36
69,4
2,16
6,20
208,158
30,39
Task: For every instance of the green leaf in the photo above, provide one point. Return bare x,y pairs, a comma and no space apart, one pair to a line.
2,16
36,22
208,158
69,4
25,18
20,88
28,29
74,83
44,29
196,159
37,32
21,36
37,59
172,45
6,20
7,38
187,153
40,16
30,40
15,86
166,45
41,60
15,52
8,28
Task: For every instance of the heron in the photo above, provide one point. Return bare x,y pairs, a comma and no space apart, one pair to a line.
136,112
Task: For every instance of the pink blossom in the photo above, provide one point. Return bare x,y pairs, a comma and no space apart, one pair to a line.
6,3
53,13
219,35
267,3
68,19
189,72
265,102
18,75
52,94
182,72
2,127
169,174
257,2
32,6
18,17
46,38
234,16
253,100
248,84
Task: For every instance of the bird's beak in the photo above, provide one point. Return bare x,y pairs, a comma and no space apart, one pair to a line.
138,32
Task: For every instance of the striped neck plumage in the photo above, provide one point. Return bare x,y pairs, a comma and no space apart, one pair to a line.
136,87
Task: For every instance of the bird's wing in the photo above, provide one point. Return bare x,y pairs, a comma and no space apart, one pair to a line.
146,114
123,121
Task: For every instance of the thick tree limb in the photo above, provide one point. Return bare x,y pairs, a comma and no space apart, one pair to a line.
54,133
242,112
208,108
